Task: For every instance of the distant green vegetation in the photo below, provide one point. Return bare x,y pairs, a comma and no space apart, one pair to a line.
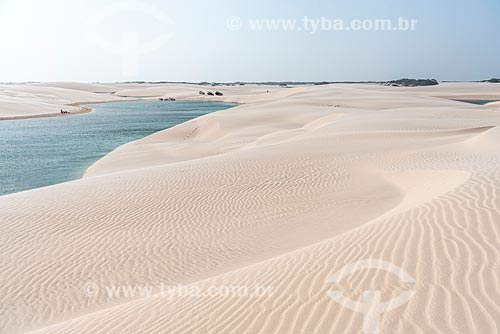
479,102
493,80
242,83
412,82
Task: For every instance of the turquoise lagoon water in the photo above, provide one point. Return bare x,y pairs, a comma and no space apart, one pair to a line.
45,151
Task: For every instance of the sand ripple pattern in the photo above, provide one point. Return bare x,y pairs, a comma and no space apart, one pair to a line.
285,193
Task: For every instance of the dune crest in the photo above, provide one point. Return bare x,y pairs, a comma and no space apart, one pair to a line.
423,186
282,192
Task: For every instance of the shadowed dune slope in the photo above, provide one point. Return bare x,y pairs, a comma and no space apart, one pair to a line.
280,193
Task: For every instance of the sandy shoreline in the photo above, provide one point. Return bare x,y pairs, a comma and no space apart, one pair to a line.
84,110
76,104
282,191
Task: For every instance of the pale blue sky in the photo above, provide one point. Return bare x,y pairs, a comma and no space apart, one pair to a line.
75,40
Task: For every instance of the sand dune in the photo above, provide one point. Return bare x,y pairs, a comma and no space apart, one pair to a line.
39,101
281,192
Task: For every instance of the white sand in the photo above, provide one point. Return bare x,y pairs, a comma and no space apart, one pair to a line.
25,101
281,192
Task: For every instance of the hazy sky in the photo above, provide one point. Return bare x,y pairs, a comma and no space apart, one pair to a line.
187,40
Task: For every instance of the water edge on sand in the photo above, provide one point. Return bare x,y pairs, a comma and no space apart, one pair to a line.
45,151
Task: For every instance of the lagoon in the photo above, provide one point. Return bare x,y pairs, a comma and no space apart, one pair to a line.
45,151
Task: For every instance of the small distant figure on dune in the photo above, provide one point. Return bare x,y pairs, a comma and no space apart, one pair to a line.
64,112
210,93
201,92
218,93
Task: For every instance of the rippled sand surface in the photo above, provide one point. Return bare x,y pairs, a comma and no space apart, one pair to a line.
282,192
